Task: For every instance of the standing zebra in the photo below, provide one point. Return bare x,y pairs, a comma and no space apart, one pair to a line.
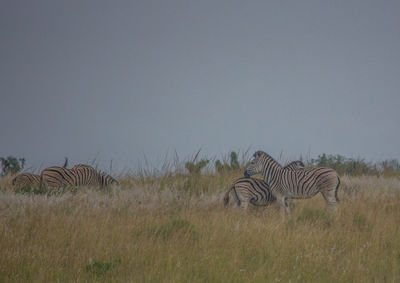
255,191
80,175
26,180
285,183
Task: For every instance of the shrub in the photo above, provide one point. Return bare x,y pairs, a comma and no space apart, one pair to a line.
231,166
11,165
100,267
195,168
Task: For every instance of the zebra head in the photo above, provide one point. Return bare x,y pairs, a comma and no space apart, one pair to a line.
106,180
295,165
256,165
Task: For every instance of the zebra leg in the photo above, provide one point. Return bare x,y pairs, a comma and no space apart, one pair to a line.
241,200
244,204
236,198
330,199
282,205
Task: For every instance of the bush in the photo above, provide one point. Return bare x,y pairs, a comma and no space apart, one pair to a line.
100,267
11,165
195,168
358,166
231,166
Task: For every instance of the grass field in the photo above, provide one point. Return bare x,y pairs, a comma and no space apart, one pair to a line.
174,228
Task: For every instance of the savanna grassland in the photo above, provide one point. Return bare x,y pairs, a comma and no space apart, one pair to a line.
174,228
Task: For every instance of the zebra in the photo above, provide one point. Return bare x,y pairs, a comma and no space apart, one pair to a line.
298,184
105,178
255,191
80,175
26,180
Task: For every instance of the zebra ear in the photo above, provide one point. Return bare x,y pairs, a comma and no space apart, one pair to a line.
257,153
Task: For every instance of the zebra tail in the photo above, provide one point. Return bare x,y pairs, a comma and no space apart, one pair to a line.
235,196
336,190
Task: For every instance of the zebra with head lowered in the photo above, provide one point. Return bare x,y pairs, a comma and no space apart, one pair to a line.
29,179
300,184
79,175
26,180
255,191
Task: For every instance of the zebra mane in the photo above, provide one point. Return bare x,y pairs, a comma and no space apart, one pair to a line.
297,162
259,153
265,155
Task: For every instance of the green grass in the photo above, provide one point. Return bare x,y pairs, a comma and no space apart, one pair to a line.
175,229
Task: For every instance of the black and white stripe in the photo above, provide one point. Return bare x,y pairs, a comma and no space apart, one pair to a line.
255,191
79,175
285,183
26,180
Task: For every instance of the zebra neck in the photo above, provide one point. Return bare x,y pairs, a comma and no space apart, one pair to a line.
272,171
272,176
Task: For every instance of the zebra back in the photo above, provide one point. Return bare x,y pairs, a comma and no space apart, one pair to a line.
104,179
308,182
58,176
295,165
79,175
77,166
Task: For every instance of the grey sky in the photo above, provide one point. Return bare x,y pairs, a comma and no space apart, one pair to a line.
125,78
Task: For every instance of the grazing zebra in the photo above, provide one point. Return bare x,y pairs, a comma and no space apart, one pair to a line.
26,180
285,183
255,191
80,175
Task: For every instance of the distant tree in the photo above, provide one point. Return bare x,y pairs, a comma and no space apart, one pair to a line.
234,161
11,165
225,166
195,168
349,166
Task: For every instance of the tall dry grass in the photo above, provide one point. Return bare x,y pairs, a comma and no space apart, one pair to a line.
173,228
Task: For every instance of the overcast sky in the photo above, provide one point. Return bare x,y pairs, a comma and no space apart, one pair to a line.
117,80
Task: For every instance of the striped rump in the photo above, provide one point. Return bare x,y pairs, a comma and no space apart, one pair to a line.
79,175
